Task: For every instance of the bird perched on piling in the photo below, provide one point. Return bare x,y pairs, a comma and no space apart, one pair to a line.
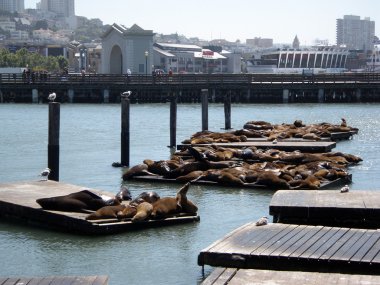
52,97
345,189
126,94
262,221
45,173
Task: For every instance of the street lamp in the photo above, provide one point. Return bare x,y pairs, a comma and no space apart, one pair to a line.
146,62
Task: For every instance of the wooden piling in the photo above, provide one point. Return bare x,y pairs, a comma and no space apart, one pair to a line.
53,141
173,119
125,103
204,99
227,111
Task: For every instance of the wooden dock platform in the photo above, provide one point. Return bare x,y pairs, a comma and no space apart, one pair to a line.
297,247
234,276
18,202
329,208
304,146
55,280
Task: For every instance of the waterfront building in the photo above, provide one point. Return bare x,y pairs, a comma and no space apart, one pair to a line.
317,59
127,48
260,42
12,5
354,33
187,58
62,8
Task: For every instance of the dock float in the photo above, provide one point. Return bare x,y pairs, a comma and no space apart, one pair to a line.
303,146
329,208
297,247
56,280
234,276
18,203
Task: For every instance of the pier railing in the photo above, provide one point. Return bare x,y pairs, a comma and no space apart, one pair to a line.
188,79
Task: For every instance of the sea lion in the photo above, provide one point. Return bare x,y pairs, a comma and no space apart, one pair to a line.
137,170
172,205
77,202
106,212
128,212
149,197
124,194
144,210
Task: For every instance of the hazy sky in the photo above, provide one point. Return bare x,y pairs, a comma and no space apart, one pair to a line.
231,20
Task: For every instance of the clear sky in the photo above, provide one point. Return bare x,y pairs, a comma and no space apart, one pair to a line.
231,20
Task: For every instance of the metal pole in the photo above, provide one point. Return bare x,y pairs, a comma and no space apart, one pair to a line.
53,140
125,103
227,111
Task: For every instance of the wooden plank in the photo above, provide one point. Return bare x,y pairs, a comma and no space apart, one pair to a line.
56,280
349,242
365,247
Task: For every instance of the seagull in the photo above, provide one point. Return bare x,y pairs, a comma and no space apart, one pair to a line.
345,189
45,173
52,96
274,141
126,94
262,221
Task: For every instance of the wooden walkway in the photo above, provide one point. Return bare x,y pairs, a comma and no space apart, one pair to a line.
330,208
18,202
297,247
233,276
55,280
304,146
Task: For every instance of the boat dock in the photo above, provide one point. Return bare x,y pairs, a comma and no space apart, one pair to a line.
18,203
297,247
304,146
56,280
328,207
234,276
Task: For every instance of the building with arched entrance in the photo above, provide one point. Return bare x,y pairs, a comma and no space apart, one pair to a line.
127,48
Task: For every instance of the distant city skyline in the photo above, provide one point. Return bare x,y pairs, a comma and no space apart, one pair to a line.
231,20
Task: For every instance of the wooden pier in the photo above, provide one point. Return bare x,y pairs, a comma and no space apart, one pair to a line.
18,202
56,280
329,208
297,247
234,276
303,146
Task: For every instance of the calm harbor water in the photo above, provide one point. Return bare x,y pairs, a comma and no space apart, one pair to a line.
90,142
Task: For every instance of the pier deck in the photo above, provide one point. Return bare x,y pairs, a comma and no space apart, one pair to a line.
18,202
56,280
297,247
233,276
304,146
329,208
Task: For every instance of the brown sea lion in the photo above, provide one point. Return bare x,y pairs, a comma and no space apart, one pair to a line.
172,205
124,194
77,202
149,197
190,176
128,212
144,210
106,212
137,170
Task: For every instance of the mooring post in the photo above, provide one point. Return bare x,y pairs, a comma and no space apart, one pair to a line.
173,120
227,111
53,141
125,131
204,98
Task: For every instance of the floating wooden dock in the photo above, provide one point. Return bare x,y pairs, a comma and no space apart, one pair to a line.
325,185
234,276
55,280
18,202
304,146
297,247
330,208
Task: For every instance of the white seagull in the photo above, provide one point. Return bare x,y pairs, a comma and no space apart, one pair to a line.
262,221
274,141
52,97
45,173
126,94
345,189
